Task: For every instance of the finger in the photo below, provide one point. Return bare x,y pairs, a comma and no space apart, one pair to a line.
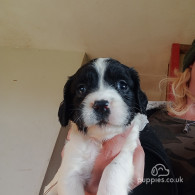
67,139
139,164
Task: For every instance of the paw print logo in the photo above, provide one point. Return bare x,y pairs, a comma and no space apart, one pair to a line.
160,170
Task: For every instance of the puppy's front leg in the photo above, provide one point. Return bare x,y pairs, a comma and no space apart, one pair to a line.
70,181
63,185
118,175
79,156
71,177
73,186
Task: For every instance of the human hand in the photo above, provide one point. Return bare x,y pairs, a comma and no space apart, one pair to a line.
139,164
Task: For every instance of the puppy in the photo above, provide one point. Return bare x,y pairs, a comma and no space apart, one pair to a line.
102,99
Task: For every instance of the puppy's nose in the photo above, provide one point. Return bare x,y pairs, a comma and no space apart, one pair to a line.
101,106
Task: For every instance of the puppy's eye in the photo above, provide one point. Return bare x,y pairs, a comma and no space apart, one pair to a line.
122,85
81,89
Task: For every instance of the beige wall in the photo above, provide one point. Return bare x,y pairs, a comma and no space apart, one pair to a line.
31,87
136,32
150,84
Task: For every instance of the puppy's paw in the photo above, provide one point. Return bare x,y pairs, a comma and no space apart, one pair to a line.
117,176
140,120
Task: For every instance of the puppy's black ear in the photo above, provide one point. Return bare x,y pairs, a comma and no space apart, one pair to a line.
142,100
64,109
141,97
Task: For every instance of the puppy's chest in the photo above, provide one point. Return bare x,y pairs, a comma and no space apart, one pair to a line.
89,157
82,151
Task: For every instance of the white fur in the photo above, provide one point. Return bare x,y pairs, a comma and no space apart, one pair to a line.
79,157
117,118
100,66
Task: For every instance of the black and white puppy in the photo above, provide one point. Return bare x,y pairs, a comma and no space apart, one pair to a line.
102,99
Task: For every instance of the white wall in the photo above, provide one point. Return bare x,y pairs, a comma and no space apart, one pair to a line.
31,89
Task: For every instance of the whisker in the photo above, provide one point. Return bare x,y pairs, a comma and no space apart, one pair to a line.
78,118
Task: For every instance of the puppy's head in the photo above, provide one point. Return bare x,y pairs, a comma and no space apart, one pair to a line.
103,94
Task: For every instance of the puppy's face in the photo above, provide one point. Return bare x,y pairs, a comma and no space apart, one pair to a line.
102,95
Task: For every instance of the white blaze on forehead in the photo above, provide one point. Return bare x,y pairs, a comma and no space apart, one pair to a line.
100,66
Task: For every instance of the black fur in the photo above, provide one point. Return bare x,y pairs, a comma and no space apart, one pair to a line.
115,74
70,108
135,96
